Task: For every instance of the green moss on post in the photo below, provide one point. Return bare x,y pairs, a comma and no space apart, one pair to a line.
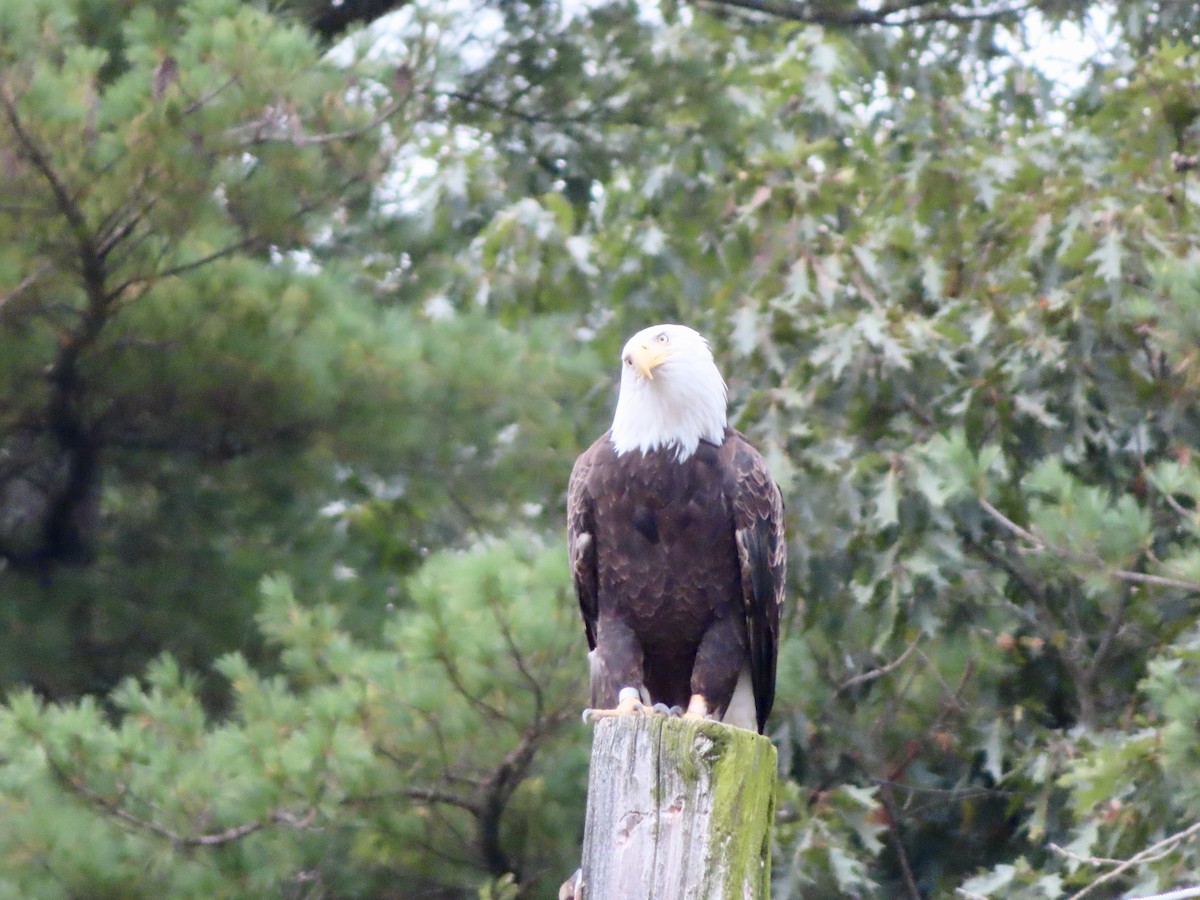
678,808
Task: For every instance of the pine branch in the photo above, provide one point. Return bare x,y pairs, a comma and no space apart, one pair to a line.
114,808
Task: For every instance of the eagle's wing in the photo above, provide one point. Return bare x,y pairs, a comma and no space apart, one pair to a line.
762,554
581,542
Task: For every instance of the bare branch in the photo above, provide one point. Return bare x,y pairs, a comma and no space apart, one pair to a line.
1188,515
437,795
893,15
264,131
1087,558
203,100
1044,621
879,672
1159,580
519,660
953,695
249,242
1086,860
1179,894
114,234
182,268
24,284
1028,586
1010,524
1154,852
476,99
953,794
41,162
1110,633
889,806
456,681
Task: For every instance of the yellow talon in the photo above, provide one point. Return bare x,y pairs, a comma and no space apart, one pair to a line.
629,704
697,708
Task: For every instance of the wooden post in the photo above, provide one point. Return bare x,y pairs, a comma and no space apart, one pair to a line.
678,808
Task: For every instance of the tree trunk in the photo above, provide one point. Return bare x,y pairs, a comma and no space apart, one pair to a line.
678,809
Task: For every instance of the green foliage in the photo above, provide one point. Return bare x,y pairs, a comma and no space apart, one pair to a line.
184,388
328,774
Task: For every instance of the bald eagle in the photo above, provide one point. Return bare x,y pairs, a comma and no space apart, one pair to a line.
675,530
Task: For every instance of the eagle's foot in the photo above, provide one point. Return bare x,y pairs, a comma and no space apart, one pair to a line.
697,708
629,703
572,888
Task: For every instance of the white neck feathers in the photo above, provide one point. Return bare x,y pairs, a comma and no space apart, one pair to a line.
681,405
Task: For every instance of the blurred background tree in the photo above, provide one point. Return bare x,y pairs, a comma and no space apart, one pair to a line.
323,298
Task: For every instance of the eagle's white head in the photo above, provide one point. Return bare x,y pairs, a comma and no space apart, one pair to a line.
671,393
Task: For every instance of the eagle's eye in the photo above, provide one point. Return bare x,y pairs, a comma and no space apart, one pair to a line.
663,338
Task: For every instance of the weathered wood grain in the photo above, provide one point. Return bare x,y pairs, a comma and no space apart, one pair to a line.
678,808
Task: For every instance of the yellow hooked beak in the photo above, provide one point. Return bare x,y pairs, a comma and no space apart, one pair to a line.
648,357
